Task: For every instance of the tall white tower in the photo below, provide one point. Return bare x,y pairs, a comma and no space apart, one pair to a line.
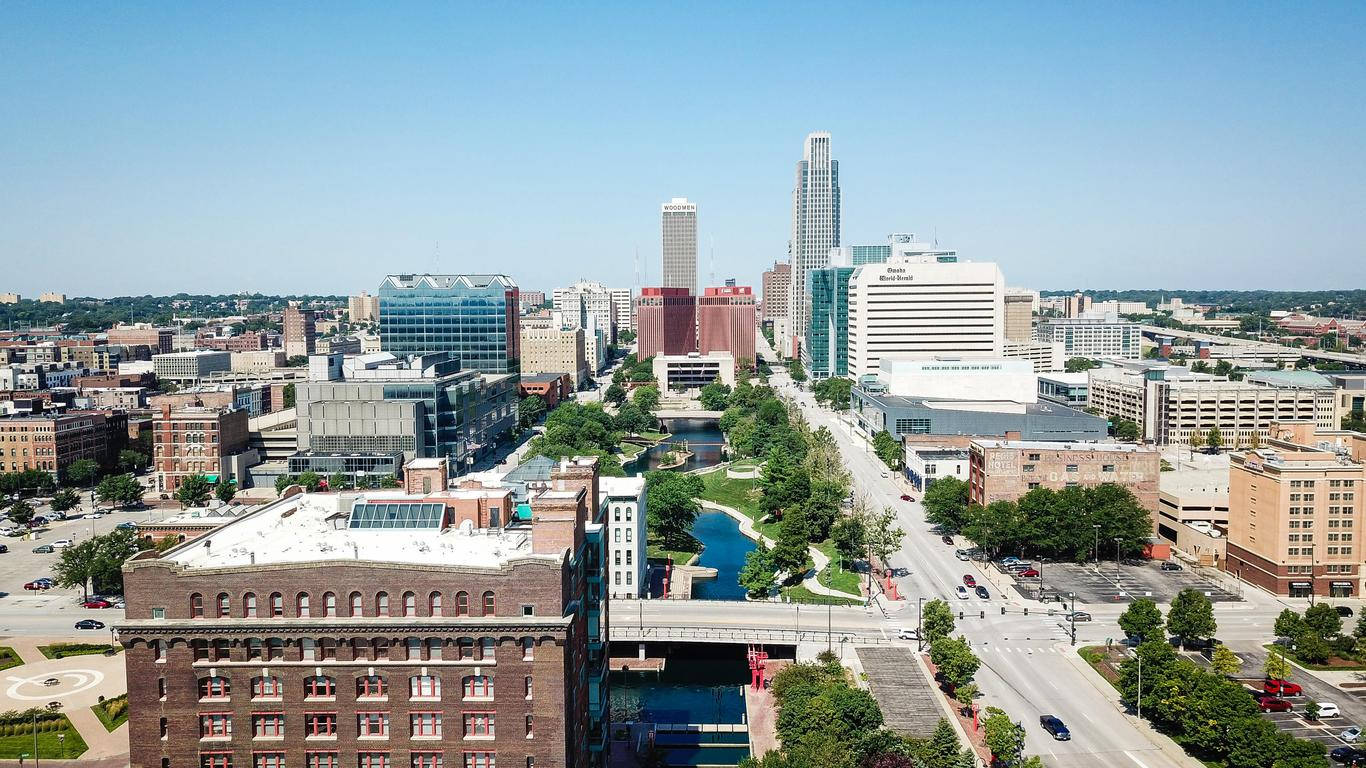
815,229
678,237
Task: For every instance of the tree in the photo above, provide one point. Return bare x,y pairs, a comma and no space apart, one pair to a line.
225,490
96,562
944,749
82,472
194,491
296,361
614,394
626,336
851,538
1215,439
1142,619
784,482
21,512
758,576
887,449
1311,711
1003,736
1200,366
954,659
631,419
66,499
824,464
338,482
282,482
834,392
1276,666
73,567
672,504
937,621
1359,631
946,503
1126,430
790,553
796,371
1225,662
1079,364
1311,648
646,398
132,461
311,481
1191,617
1323,619
1197,440
119,490
1223,368
713,396
388,481
1291,624
884,536
290,396
531,409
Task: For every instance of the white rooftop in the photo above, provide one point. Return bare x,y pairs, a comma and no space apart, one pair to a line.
311,527
1044,445
621,486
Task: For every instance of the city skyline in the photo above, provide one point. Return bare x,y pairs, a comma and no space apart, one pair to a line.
1181,162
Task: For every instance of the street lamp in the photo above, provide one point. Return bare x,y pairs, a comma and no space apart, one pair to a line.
1117,561
1072,616
920,624
1097,527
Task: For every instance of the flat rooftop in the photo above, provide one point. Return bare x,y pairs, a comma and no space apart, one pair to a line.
1044,445
314,527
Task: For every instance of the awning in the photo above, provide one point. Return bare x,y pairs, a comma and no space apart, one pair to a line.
1342,583
1299,584
211,478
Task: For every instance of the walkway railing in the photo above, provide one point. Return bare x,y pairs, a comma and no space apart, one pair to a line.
726,634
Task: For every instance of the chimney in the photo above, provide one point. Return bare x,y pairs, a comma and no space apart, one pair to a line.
580,472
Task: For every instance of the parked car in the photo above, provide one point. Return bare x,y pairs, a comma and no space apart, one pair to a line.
1273,704
89,624
1351,734
63,543
907,633
969,580
97,603
1343,610
1008,560
3,549
43,549
1329,709
1170,566
947,540
1078,616
1028,573
905,497
1055,727
125,526
37,521
962,593
983,593
37,585
961,555
1345,754
1282,687
96,515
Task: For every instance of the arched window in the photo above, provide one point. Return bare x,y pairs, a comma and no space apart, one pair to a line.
382,604
462,603
478,687
196,606
319,685
371,686
488,603
356,608
215,687
329,604
301,605
424,687
249,605
277,605
265,687
409,604
434,604
224,605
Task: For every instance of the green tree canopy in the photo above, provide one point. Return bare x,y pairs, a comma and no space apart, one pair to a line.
531,409
758,576
1191,616
955,659
887,448
82,472
646,398
714,396
225,490
1142,619
937,621
1127,430
946,503
194,491
65,499
132,461
1324,620
119,490
1290,624
672,506
1079,364
614,394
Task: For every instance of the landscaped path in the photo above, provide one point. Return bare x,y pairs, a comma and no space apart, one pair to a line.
82,680
811,581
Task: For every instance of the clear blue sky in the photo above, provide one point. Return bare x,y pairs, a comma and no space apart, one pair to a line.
217,147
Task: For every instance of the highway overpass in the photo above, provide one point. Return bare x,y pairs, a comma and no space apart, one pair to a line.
1312,354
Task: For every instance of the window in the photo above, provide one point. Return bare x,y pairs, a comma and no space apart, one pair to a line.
161,688
196,606
249,605
373,724
1107,467
478,725
434,604
465,647
479,687
628,514
301,605
480,760
277,605
320,723
425,725
215,760
275,649
372,760
462,603
1025,468
409,604
528,648
616,514
158,650
329,604
214,688
413,646
428,760
224,605
434,648
528,609
322,760
319,685
215,725
265,687
529,730
268,760
488,603
356,609
372,686
164,727
308,649
1035,456
1071,467
382,604
270,725
526,684
424,687
628,535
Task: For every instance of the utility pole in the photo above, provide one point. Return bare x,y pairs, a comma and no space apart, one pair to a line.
1140,685
1096,526
1072,615
920,624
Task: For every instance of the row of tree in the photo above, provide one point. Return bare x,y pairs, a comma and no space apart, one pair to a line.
1316,635
81,473
96,563
833,392
1058,524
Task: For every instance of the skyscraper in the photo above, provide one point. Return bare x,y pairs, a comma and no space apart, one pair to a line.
815,228
300,331
666,322
725,321
678,235
473,316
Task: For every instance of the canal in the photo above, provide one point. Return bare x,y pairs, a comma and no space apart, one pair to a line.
702,436
699,684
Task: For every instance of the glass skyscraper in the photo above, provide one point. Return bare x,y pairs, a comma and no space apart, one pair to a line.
826,351
471,316
815,227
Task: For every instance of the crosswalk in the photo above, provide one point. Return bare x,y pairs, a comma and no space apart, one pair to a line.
1020,649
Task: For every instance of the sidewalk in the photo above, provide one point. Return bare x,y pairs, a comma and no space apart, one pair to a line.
810,582
105,749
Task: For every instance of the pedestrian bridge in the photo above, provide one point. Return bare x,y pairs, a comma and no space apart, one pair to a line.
744,622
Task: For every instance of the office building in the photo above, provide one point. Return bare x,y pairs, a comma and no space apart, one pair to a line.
927,464
252,397
815,230
924,303
1295,513
586,301
726,322
953,378
1063,388
776,284
694,370
1019,316
623,512
624,308
384,629
555,350
363,308
250,341
301,333
1094,337
1005,470
157,340
195,440
1043,355
1192,509
190,367
474,317
52,441
678,239
258,361
10,298
48,297
1076,305
666,322
425,406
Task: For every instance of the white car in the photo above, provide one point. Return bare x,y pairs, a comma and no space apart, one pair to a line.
97,515
62,543
962,592
1329,709
1351,735
906,633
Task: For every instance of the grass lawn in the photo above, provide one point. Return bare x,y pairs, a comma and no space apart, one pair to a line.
738,494
804,595
111,723
630,450
48,746
656,436
654,548
835,577
8,658
57,651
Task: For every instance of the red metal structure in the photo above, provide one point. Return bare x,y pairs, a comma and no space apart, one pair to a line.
758,663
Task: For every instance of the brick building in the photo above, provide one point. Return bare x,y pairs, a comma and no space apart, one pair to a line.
159,340
1005,470
775,285
300,332
376,630
725,321
197,441
552,388
251,341
52,442
666,322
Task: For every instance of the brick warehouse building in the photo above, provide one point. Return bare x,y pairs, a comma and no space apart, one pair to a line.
376,630
196,441
51,442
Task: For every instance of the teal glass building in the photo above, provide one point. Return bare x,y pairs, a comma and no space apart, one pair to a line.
826,352
471,316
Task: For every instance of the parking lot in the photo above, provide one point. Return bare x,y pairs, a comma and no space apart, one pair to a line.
1122,584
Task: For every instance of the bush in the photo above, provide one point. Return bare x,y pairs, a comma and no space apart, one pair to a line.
1344,645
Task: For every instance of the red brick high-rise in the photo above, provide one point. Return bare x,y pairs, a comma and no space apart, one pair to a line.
725,321
666,322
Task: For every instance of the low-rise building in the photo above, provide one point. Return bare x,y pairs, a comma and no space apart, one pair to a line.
195,440
926,464
552,388
191,367
158,340
1067,389
52,442
256,361
1192,509
1005,470
623,512
693,370
1043,355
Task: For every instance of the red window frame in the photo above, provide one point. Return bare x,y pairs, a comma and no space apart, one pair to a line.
217,687
320,686
462,603
478,687
196,606
267,725
320,723
425,723
215,760
215,725
428,760
267,760
363,720
265,687
224,605
322,760
424,686
479,724
480,759
489,603
373,686
373,760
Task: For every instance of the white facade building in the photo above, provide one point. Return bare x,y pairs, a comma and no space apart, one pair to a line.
622,501
924,303
694,370
623,306
678,244
953,378
190,366
587,299
1043,355
1094,337
815,229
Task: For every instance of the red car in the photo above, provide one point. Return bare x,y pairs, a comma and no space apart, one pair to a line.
969,580
905,497
947,540
97,603
1028,573
1273,704
37,585
1282,688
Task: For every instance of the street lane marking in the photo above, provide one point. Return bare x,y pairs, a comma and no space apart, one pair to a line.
1130,755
